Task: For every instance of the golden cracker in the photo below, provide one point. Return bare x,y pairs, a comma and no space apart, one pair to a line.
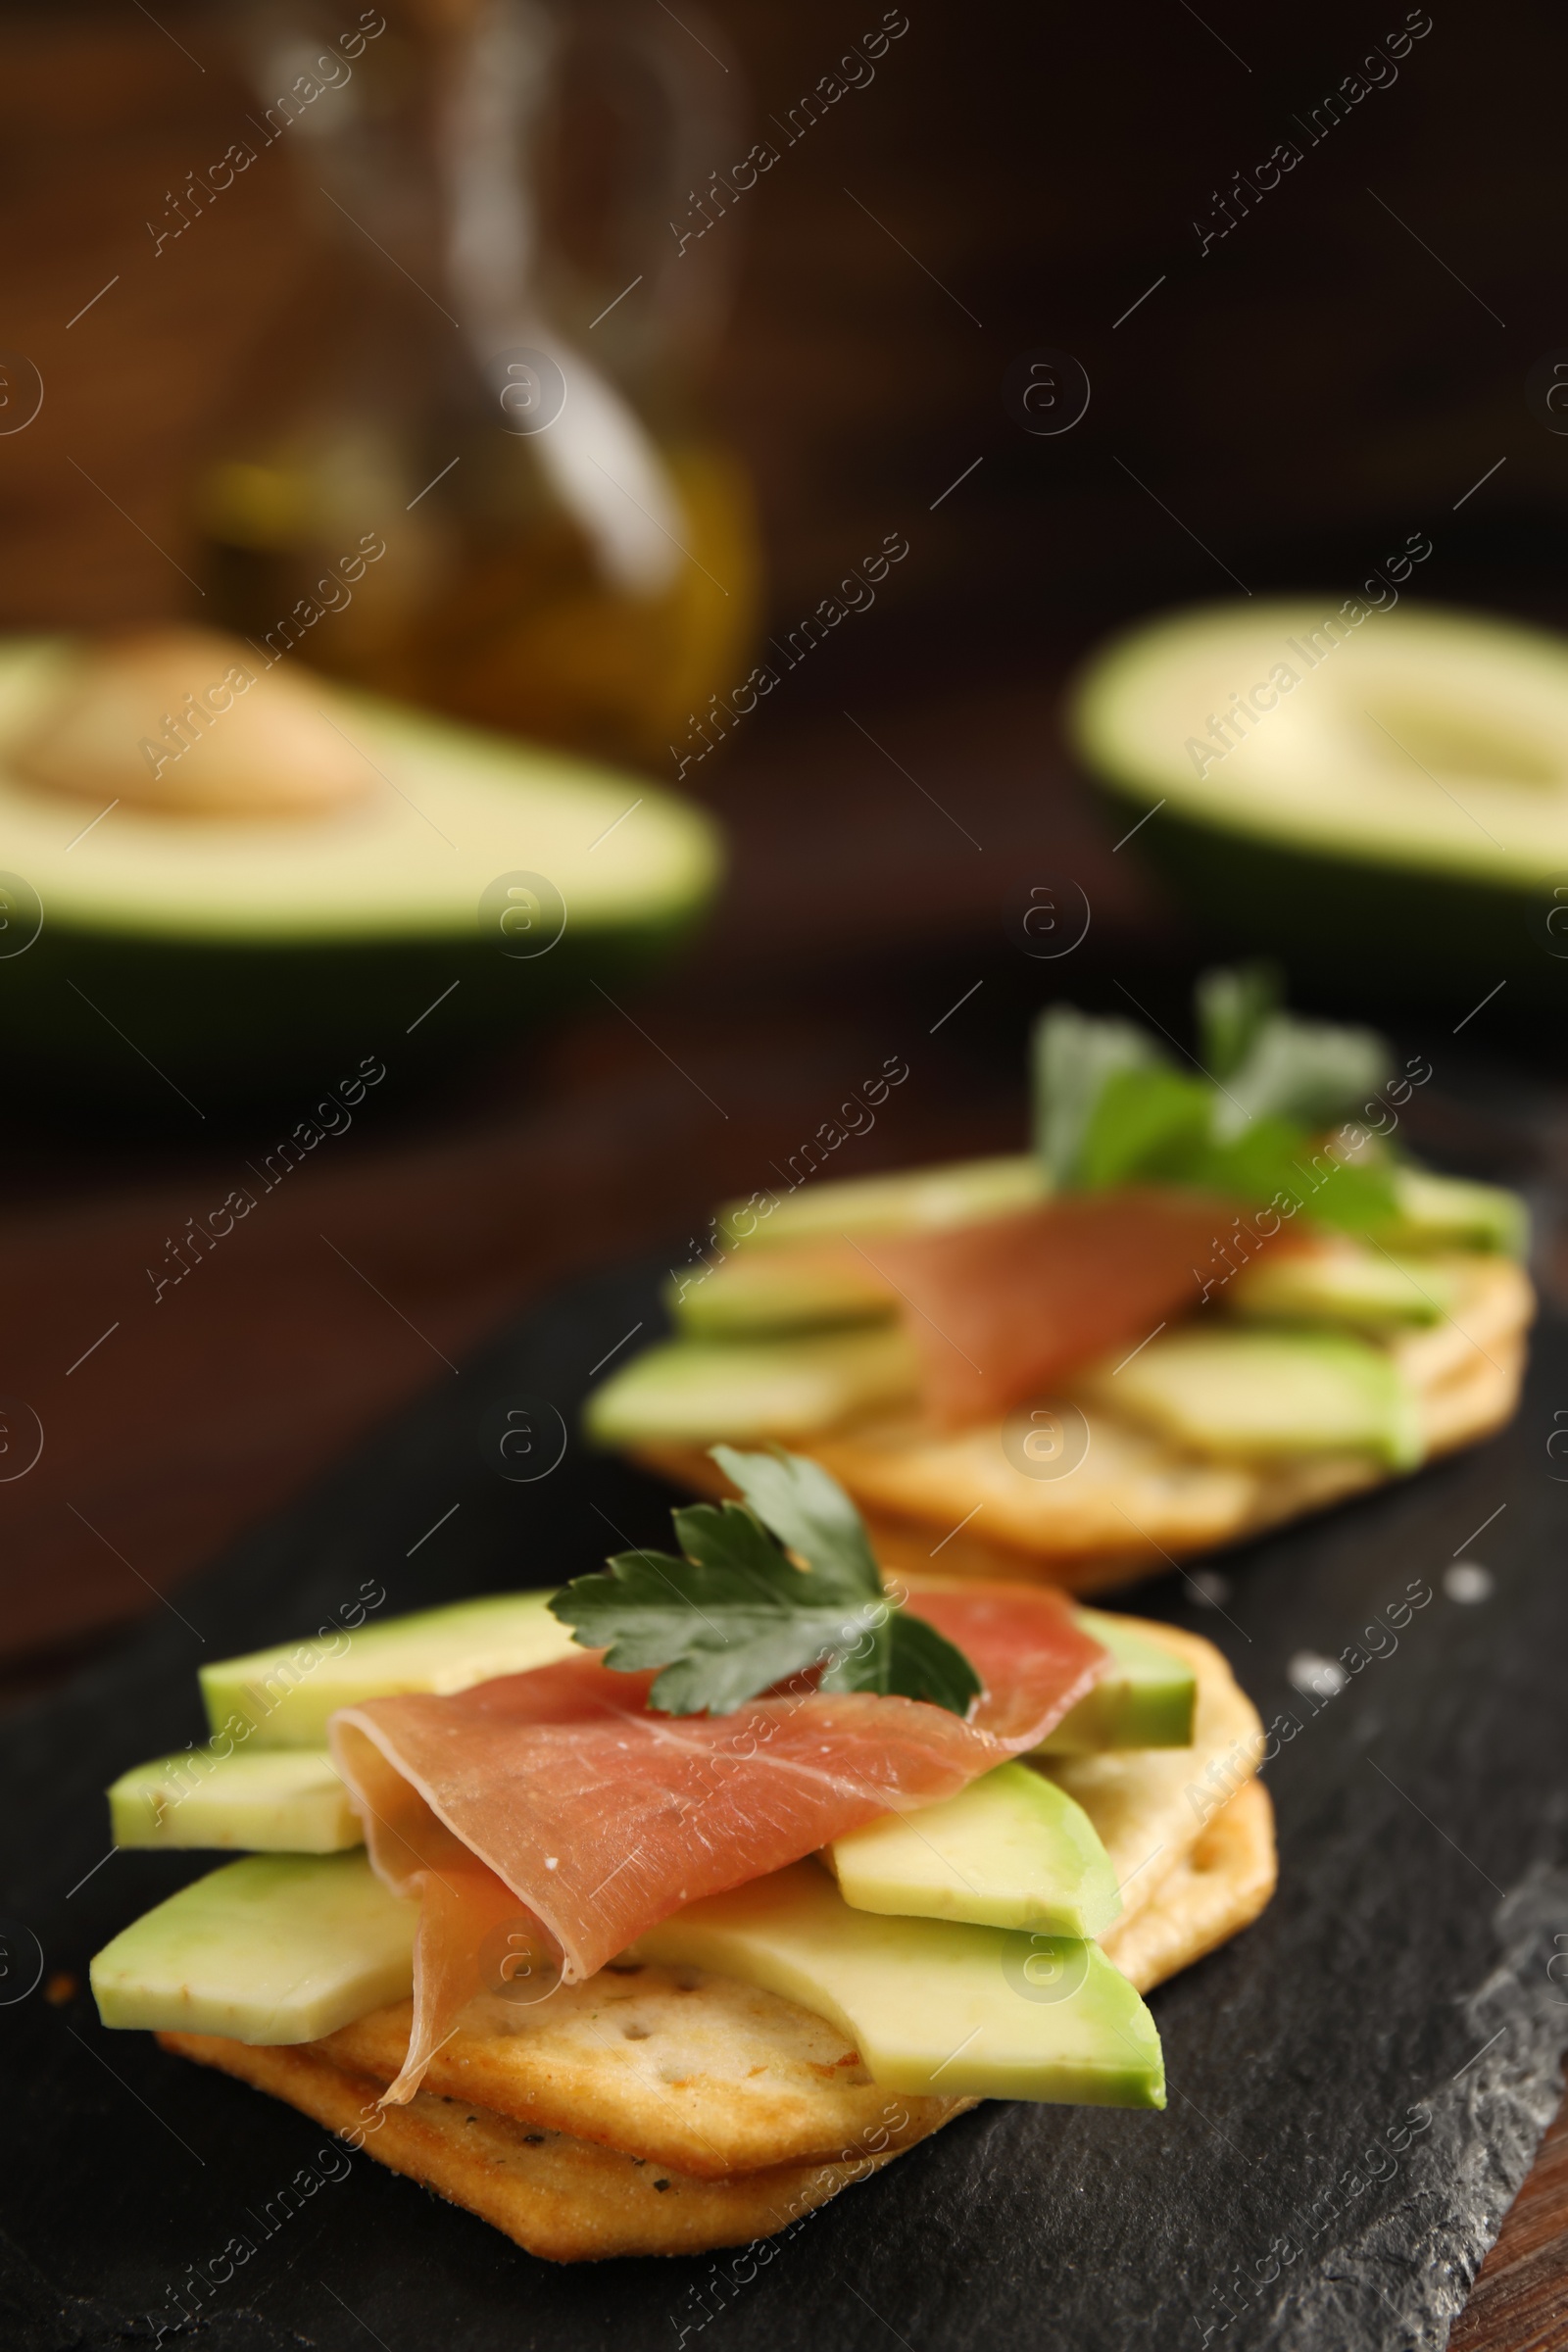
1137,1500
566,2200
1215,1891
678,2066
1151,1805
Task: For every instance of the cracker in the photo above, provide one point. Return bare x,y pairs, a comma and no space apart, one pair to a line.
705,2113
1215,1891
1137,1502
1151,1805
567,2199
1495,1304
678,2066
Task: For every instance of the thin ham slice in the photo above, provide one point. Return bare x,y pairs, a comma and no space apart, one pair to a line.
998,1311
547,1819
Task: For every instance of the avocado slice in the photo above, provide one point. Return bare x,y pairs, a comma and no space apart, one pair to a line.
281,1698
240,953
932,2005
761,1293
1343,1284
1356,789
1261,1392
277,1947
959,1192
1011,1850
270,1800
1451,1212
279,1791
1147,1699
694,1392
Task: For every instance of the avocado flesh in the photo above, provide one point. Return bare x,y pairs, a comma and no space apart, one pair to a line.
932,2005
272,1800
760,1293
960,1191
240,953
695,1392
1147,1698
274,1948
279,1792
1403,808
1451,1212
1261,1392
1370,1290
286,1695
1011,1850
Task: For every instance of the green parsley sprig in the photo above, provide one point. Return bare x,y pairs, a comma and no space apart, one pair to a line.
1113,1107
735,1615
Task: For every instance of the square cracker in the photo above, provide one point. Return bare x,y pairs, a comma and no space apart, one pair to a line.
1215,1891
572,2199
567,2199
1151,1805
675,2065
1138,1501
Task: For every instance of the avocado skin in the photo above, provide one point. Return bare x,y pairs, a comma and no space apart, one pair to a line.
240,1021
1343,924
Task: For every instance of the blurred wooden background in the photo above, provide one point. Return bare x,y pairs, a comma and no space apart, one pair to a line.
1337,372
1345,363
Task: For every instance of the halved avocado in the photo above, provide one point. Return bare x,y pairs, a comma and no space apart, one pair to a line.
1352,788
228,955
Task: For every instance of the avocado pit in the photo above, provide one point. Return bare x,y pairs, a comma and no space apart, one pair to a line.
189,722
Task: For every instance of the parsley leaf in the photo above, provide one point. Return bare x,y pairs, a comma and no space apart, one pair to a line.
1231,1005
1113,1108
808,1510
733,1615
1076,1057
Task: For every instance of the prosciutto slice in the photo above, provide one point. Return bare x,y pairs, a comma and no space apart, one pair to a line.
547,1819
997,1311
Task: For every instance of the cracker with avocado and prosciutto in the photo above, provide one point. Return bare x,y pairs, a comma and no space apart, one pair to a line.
592,1978
1214,1297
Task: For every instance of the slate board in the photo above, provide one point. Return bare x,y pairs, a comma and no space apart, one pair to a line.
1392,2014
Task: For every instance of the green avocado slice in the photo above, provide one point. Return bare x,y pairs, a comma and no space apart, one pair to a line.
1261,1392
691,1392
1451,1212
1011,1850
281,1698
932,2005
1147,1698
267,1800
278,1947
286,1948
761,1293
959,1191
1342,1283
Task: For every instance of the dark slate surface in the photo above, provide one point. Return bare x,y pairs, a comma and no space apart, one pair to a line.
1358,2083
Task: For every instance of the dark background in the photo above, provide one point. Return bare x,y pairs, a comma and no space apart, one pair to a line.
1334,375
1305,394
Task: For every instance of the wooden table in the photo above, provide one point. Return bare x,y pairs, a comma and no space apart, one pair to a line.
853,928
859,914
